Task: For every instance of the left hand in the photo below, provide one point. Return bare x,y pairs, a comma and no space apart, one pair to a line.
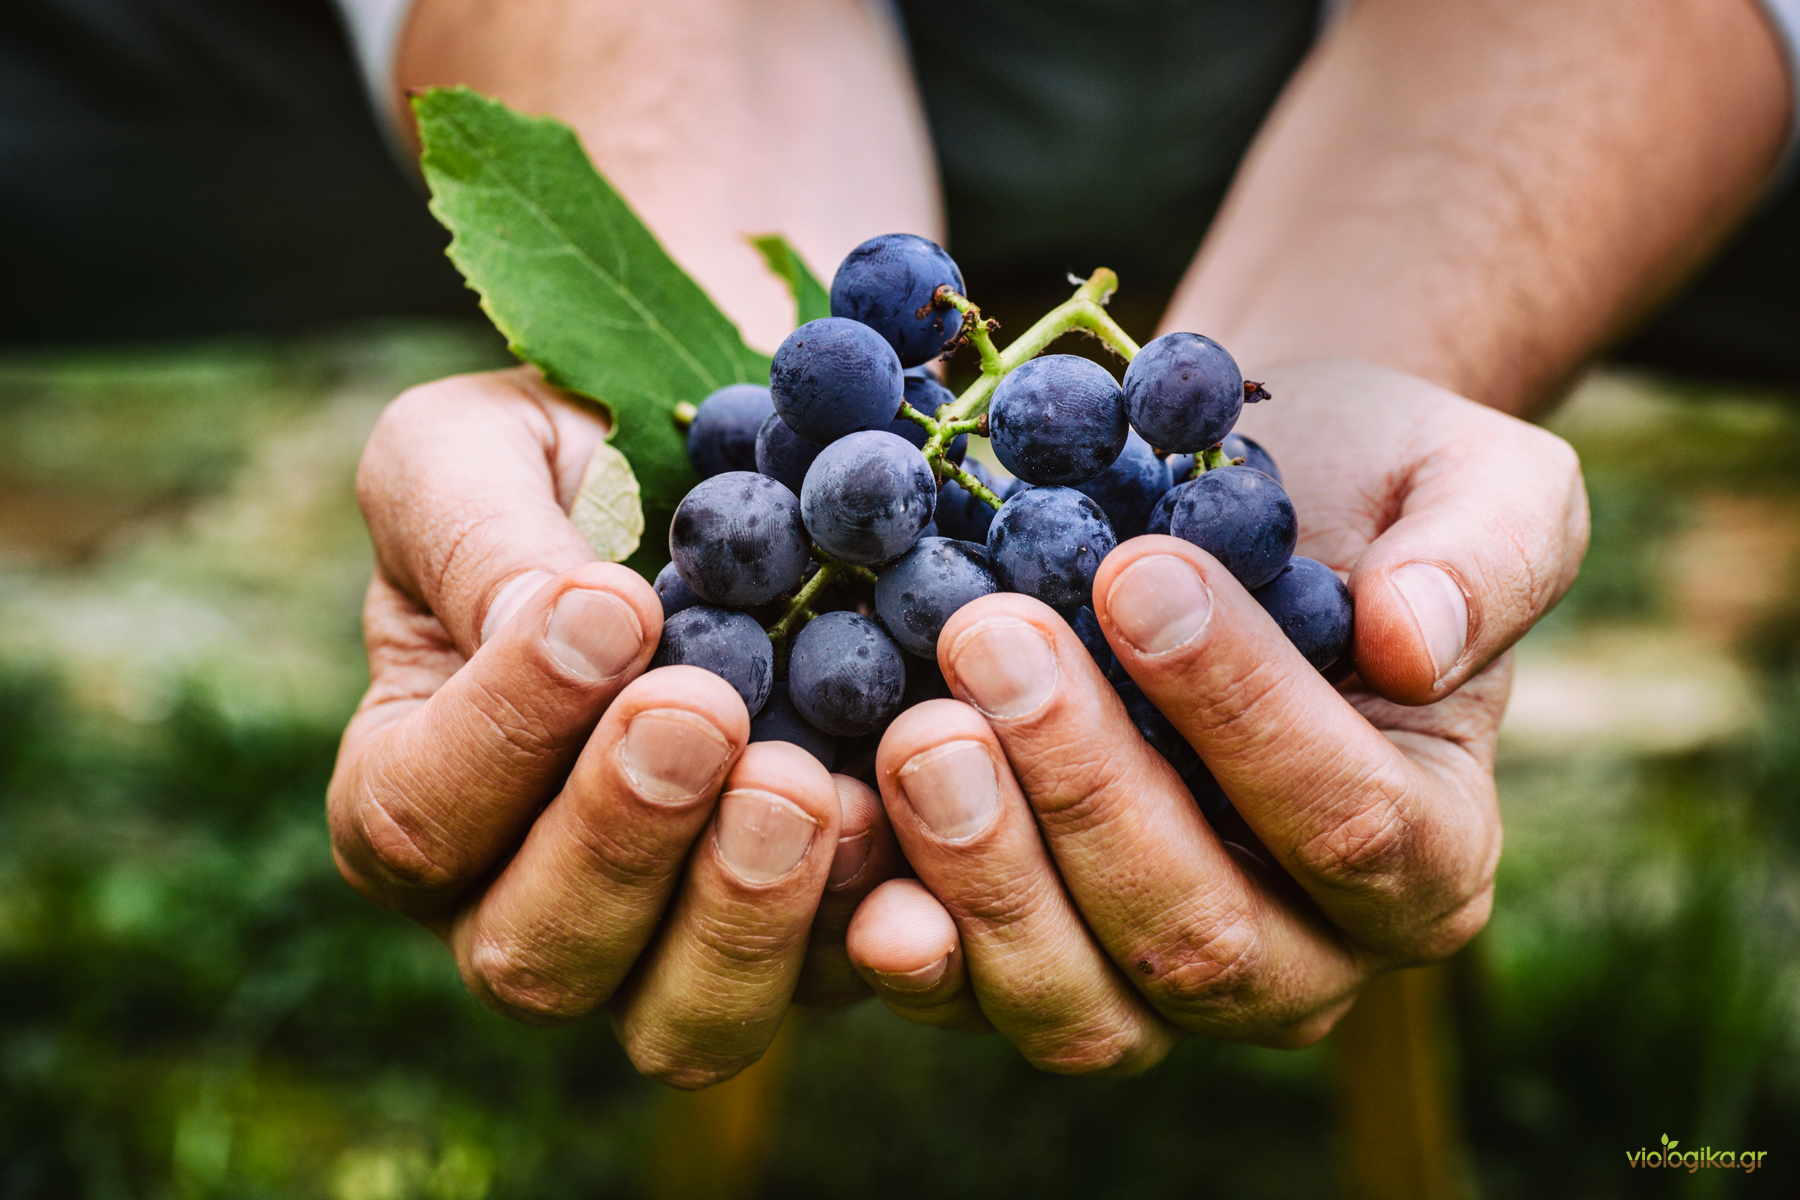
1070,894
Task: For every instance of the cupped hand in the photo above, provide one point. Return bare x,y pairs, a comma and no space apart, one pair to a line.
1071,895
579,831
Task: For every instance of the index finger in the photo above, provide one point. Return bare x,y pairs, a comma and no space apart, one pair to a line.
1397,848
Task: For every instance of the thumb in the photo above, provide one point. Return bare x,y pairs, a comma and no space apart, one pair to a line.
1481,551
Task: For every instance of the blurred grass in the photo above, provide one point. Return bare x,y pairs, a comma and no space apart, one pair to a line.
192,1005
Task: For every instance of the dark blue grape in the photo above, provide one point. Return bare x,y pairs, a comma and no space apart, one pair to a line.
1241,517
673,591
1057,419
1312,606
889,283
856,758
833,377
925,682
1183,392
1235,446
1048,542
924,588
1087,627
963,514
729,644
1158,521
1167,741
738,540
1128,489
780,721
867,497
926,394
845,675
784,455
723,435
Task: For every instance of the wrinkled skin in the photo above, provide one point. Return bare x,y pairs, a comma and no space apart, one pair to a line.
1087,912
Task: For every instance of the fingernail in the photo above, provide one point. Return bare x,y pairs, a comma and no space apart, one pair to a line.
510,599
953,789
847,863
1159,604
593,635
1005,665
672,756
762,836
921,980
1440,610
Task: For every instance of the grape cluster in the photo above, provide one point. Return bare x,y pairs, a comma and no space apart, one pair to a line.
837,527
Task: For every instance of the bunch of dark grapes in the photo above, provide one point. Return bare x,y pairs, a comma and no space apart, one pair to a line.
824,550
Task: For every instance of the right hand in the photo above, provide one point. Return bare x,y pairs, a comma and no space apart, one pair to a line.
579,832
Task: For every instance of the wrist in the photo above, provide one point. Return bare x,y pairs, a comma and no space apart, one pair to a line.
1270,320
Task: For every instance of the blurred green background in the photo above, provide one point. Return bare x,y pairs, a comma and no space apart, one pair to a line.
195,1006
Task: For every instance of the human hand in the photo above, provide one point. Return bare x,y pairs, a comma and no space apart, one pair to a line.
1070,894
579,832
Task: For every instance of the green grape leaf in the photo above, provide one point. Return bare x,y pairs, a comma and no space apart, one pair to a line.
608,508
811,301
578,286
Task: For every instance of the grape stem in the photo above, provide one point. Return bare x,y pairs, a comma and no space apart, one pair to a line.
1084,312
799,608
971,484
1211,459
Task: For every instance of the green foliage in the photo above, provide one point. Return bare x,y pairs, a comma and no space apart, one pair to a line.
194,1005
811,301
577,284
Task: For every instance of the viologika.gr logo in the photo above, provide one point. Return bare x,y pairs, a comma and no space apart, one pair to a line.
1692,1160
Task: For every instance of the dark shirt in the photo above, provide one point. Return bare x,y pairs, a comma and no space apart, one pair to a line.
184,167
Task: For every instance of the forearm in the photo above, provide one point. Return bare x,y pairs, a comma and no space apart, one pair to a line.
1484,193
715,120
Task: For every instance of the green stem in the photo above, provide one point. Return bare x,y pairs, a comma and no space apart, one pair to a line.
978,329
799,608
1085,311
917,417
973,485
684,414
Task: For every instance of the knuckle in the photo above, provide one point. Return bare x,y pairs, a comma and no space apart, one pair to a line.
629,857
503,976
660,1058
742,944
391,434
1243,710
1443,936
1209,976
403,853
1087,1052
1308,1031
1554,454
519,733
1074,791
1371,852
998,903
